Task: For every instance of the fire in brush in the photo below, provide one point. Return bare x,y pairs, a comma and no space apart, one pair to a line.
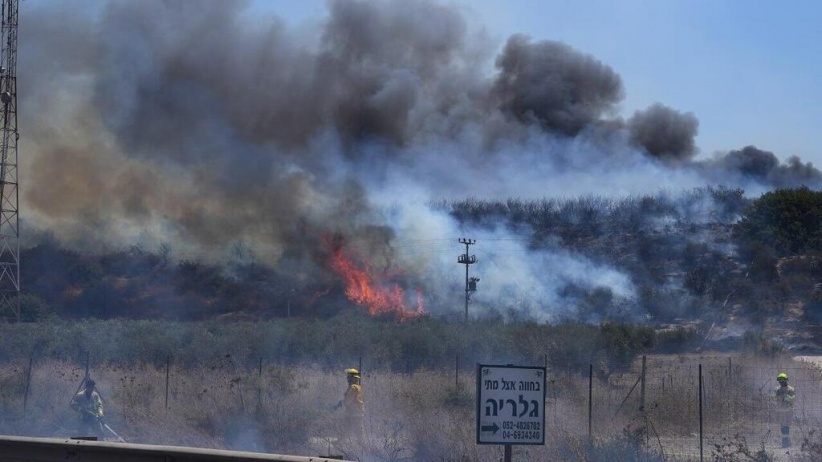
377,291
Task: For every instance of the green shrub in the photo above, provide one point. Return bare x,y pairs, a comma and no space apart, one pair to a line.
757,343
786,220
623,342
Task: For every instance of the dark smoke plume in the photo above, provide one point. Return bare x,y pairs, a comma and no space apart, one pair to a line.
555,85
763,167
664,132
207,124
750,161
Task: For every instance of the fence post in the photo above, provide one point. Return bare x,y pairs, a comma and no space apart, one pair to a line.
260,383
642,388
590,401
457,372
28,383
88,361
701,459
168,368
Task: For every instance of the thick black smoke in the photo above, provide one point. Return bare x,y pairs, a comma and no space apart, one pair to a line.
763,167
751,162
555,85
207,123
664,132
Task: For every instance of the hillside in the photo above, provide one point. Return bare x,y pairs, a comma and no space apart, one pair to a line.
680,252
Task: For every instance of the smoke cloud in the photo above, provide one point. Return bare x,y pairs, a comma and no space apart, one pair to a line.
206,124
554,85
664,132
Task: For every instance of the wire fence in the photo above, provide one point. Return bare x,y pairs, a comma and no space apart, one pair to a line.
738,404
657,401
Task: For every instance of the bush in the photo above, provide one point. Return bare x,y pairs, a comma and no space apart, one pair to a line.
758,344
813,308
623,342
34,309
786,220
736,449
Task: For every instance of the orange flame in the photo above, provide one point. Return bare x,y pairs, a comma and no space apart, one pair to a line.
376,294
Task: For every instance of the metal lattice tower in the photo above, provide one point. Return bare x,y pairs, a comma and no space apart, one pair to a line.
9,200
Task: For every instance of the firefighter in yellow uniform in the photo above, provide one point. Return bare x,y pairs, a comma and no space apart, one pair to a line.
89,405
785,396
354,405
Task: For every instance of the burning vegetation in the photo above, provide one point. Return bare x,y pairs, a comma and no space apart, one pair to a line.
360,133
375,291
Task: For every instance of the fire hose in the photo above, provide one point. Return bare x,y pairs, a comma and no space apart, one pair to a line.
106,426
119,438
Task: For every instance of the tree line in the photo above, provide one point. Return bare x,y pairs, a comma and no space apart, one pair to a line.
690,253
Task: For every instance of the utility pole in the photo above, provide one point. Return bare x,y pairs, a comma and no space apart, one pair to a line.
470,283
9,225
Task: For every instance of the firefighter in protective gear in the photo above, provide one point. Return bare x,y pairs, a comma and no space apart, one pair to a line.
785,396
88,403
354,405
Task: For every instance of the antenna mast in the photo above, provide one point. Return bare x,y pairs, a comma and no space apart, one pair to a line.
9,221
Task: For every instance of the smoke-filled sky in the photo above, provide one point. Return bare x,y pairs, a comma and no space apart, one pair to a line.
207,123
745,69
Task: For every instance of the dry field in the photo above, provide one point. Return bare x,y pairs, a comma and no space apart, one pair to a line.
429,415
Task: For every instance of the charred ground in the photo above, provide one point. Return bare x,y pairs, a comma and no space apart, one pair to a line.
708,258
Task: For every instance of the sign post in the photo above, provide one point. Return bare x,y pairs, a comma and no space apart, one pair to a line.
510,405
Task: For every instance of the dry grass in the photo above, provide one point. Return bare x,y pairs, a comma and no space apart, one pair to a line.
426,415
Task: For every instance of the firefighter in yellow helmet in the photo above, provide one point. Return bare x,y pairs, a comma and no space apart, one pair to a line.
785,396
88,403
354,405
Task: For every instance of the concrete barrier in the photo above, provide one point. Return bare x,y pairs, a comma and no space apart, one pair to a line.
25,449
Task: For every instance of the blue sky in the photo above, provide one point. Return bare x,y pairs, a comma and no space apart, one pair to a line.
746,70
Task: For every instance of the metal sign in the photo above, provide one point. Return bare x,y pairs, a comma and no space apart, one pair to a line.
510,404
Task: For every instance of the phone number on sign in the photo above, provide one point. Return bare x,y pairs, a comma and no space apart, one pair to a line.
508,425
521,435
